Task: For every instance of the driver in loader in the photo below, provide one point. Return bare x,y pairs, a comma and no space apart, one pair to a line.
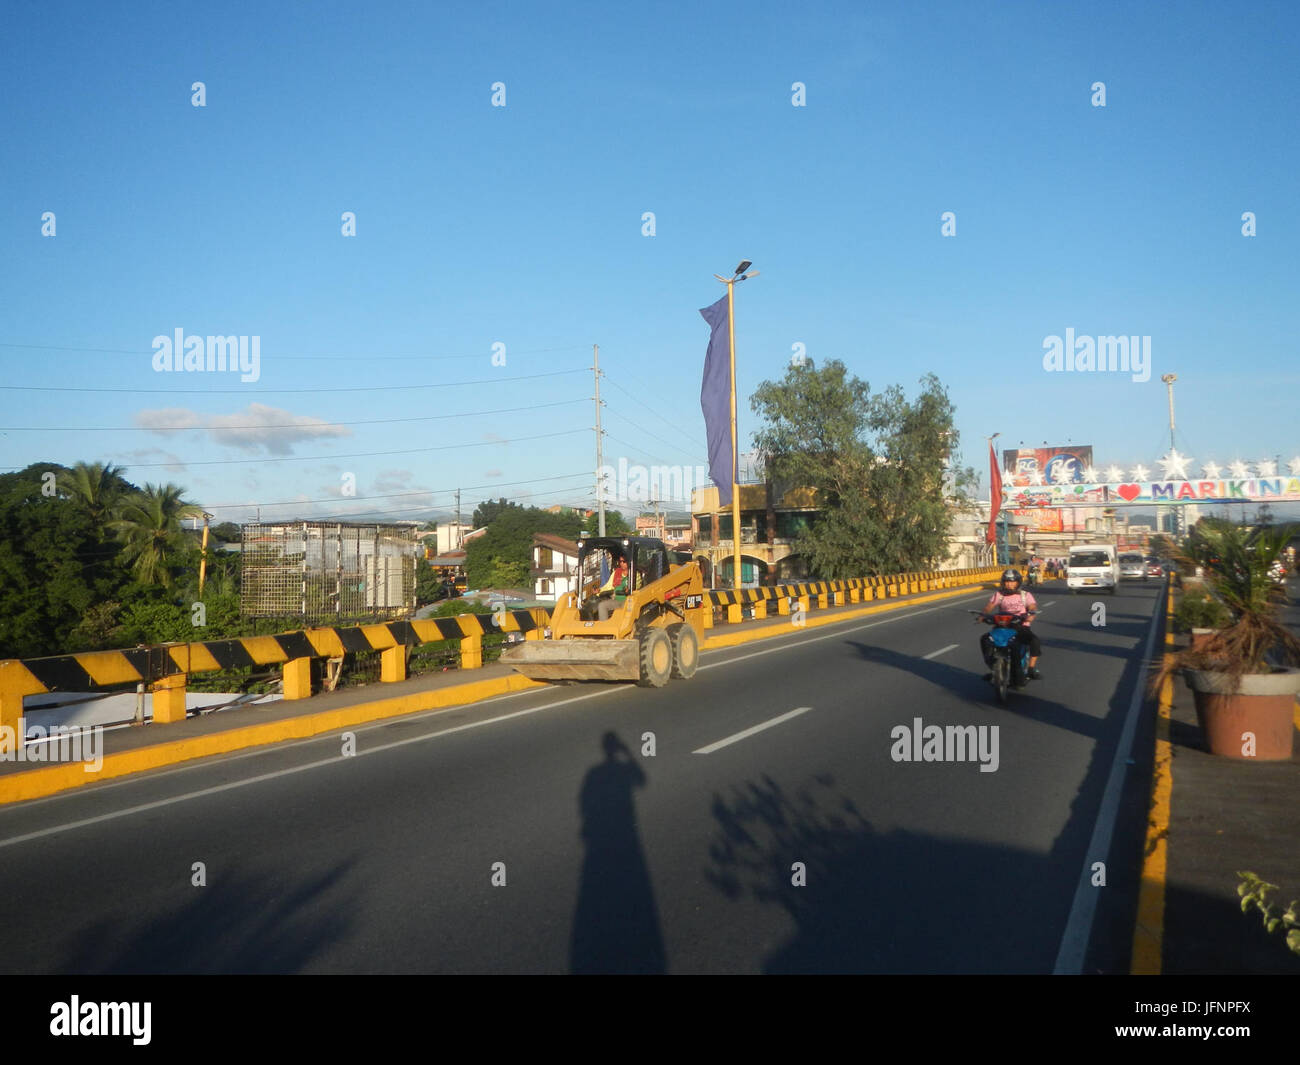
617,584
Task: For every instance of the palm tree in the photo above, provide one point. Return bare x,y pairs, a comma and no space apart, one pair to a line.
95,487
149,526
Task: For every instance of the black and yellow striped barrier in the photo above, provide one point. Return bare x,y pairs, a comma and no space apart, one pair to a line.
166,667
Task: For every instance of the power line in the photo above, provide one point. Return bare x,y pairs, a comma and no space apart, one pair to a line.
399,495
642,429
287,391
350,455
286,425
635,399
307,358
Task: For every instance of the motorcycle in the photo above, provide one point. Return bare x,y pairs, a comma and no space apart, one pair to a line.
1008,670
1031,577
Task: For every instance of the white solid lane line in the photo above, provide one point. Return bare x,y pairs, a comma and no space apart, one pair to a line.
942,651
750,731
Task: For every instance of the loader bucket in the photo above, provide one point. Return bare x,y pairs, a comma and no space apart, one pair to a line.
576,659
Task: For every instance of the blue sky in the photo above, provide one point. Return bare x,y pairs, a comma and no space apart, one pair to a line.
522,225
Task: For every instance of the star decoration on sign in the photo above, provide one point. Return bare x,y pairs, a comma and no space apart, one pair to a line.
1212,470
1114,474
1140,472
1090,475
1267,468
1294,466
1174,466
1036,477
1239,469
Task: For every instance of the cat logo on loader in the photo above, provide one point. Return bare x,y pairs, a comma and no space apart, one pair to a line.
636,616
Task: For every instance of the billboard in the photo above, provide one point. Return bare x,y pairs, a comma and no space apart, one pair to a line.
1046,465
1040,519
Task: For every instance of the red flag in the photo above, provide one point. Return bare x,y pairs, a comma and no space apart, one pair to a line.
995,496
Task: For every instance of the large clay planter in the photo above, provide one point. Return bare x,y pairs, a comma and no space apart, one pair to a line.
1262,705
1199,636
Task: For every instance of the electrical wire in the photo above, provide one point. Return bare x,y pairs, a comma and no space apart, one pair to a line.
284,391
286,425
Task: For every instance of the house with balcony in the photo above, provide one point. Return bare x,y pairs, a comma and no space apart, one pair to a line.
555,567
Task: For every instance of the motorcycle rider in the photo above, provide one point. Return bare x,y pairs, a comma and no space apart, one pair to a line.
1011,599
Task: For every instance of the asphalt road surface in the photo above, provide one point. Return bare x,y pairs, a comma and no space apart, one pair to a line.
532,834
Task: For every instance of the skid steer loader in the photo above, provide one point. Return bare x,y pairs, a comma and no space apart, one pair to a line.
635,616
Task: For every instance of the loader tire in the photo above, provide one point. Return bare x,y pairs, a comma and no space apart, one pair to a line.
686,651
656,658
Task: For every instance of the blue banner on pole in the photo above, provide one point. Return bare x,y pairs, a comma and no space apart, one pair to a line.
715,400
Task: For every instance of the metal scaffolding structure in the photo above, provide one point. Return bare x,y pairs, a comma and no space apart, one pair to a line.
327,571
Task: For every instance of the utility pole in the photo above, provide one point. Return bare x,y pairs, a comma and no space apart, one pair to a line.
456,546
600,450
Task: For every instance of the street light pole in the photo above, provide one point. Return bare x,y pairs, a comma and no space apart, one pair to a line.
730,282
1169,380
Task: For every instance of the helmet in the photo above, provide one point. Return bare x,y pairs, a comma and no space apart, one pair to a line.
1011,575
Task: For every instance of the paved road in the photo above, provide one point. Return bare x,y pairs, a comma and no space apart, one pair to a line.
680,862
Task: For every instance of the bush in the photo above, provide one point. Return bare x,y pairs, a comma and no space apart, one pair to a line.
1200,610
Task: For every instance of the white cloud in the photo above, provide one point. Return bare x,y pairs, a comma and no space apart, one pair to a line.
258,428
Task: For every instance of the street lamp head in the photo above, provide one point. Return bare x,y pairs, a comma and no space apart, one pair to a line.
743,266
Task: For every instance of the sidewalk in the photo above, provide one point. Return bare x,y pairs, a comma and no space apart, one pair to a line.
1227,816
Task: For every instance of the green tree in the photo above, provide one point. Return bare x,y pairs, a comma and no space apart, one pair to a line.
490,509
96,488
226,532
1160,546
502,557
149,527
54,564
877,463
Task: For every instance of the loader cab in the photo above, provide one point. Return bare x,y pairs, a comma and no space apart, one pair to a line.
600,556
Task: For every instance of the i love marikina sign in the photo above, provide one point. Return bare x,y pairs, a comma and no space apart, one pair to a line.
1248,489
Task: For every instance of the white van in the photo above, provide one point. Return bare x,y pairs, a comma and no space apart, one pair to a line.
1093,566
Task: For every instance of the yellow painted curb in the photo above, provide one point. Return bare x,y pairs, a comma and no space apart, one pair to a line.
1148,932
735,638
41,782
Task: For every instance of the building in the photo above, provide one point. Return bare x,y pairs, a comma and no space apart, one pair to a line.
673,529
555,567
769,525
451,536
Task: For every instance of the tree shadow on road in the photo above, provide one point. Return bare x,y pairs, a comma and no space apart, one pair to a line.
236,924
616,923
897,902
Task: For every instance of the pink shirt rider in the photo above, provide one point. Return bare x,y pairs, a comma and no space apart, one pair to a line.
1021,602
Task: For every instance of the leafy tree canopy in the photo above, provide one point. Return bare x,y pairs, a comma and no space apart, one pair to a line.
877,462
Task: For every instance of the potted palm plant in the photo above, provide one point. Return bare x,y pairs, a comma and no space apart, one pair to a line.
1199,613
1242,676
